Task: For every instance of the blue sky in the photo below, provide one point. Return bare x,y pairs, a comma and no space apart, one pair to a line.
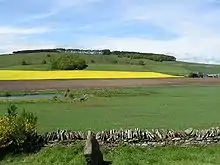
188,29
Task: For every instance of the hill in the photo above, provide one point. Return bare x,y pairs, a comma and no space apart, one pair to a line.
114,61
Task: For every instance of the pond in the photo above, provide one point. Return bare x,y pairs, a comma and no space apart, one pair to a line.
39,96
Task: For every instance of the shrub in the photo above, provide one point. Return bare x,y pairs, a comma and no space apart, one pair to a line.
48,55
141,62
92,61
69,62
23,62
195,75
7,94
106,52
17,131
44,62
54,98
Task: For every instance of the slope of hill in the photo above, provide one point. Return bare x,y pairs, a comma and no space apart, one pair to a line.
105,62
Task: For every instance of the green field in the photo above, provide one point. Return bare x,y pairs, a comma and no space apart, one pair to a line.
155,107
106,62
177,107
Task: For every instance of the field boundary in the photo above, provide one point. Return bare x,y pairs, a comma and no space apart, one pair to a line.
18,85
140,137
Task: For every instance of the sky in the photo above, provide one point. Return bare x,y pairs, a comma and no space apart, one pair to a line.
187,29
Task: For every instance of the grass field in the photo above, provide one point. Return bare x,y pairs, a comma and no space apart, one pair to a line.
153,107
111,62
46,75
178,107
123,156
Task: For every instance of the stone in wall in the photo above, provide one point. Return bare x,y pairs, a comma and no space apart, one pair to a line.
137,136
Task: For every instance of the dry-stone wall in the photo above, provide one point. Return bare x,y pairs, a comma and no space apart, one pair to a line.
140,137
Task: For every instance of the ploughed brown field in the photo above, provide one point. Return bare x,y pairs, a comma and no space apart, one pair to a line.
63,84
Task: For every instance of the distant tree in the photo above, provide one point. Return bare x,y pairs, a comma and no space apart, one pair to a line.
68,62
195,75
92,61
106,52
23,62
44,62
141,62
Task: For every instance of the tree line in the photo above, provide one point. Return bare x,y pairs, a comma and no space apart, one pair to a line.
150,56
62,50
121,54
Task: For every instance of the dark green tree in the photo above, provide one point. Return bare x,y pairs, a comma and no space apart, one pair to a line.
69,62
106,52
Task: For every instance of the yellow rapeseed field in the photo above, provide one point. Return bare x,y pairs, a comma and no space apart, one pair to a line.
78,74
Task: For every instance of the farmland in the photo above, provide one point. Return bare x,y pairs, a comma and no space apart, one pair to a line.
146,107
106,63
47,75
120,97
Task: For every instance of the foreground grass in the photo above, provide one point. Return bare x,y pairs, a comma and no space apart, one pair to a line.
122,156
152,107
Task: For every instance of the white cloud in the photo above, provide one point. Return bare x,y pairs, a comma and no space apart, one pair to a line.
198,30
184,48
12,42
15,30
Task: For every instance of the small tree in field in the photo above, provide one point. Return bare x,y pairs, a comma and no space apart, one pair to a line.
92,61
141,62
69,62
44,62
23,62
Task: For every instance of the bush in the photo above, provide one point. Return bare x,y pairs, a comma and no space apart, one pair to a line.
92,61
141,62
18,132
55,98
69,62
106,52
48,55
7,94
195,75
44,62
23,62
